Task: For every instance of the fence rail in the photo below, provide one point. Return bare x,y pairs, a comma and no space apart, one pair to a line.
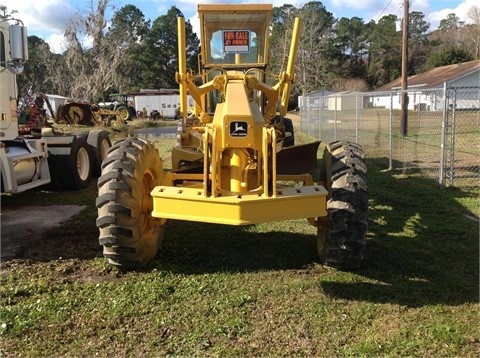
443,129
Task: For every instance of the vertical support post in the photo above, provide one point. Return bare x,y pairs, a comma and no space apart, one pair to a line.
357,118
273,137
452,137
182,66
206,163
211,162
320,118
265,166
289,74
390,135
308,122
419,109
404,114
238,162
335,120
441,179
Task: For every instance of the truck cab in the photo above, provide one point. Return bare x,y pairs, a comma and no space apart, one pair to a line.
13,55
32,160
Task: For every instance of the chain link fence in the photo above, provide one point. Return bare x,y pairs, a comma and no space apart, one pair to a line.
443,129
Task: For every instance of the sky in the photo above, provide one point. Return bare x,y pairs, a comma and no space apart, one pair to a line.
47,19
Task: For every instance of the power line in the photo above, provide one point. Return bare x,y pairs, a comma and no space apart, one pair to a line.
378,18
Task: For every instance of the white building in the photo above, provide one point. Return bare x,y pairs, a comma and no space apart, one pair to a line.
425,90
314,100
55,101
346,100
165,101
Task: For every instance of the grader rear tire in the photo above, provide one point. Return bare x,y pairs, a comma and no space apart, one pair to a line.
341,242
130,236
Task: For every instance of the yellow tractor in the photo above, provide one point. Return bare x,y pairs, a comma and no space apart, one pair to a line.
235,161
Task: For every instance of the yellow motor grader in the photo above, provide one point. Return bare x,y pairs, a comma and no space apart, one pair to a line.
235,161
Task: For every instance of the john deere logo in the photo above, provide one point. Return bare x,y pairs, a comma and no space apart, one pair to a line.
238,129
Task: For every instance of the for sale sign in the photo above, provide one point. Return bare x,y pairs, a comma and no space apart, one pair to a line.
235,41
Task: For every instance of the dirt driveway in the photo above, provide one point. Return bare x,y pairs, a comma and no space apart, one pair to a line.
21,226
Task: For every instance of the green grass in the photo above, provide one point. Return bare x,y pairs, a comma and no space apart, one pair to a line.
216,290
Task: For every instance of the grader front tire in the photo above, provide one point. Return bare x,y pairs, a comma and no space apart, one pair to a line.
341,240
130,236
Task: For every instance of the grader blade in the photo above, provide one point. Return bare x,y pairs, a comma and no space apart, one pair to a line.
298,159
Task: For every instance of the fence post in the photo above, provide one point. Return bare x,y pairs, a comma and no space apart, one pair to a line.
441,179
356,118
452,137
308,116
320,119
302,111
335,119
390,136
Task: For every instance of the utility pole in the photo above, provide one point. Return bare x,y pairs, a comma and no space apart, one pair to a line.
404,113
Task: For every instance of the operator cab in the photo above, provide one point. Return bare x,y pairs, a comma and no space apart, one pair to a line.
234,38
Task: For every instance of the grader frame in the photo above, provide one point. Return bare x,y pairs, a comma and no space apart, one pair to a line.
231,164
239,183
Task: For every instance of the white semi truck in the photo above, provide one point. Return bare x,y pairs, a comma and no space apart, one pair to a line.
65,162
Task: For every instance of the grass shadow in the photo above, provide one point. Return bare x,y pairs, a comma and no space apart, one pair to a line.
422,246
197,248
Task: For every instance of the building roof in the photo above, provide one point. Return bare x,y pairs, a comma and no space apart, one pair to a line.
156,92
55,96
323,92
435,77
